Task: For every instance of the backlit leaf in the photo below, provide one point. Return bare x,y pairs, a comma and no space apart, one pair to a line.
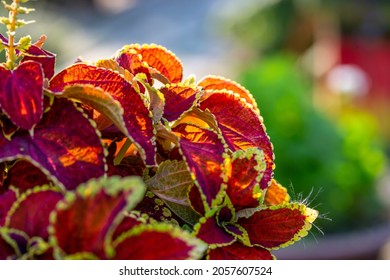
203,151
21,94
161,59
219,83
157,102
278,226
113,65
85,220
98,99
245,171
241,127
131,61
179,98
139,124
65,146
276,194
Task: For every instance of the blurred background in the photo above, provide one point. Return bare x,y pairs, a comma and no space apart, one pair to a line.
319,70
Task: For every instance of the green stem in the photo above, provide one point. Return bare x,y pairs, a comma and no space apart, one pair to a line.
122,152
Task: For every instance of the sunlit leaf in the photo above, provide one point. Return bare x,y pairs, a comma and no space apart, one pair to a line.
199,118
219,83
238,251
65,146
85,220
244,171
179,98
241,127
131,61
98,99
139,124
158,242
276,194
21,94
278,226
156,102
203,151
161,59
113,65
30,212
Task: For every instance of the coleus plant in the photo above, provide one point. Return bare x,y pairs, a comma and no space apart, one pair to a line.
122,158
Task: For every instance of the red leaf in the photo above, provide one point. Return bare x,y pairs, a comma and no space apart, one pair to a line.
238,251
23,176
85,220
65,146
125,225
203,152
219,83
30,213
138,123
43,57
245,172
276,194
274,227
195,199
132,61
160,59
157,242
6,201
241,127
179,98
21,94
210,232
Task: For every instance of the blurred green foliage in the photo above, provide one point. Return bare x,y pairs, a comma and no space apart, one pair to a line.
336,161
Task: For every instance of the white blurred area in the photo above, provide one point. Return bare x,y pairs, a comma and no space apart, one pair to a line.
348,79
114,6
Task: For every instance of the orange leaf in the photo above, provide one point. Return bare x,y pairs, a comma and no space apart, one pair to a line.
276,194
161,59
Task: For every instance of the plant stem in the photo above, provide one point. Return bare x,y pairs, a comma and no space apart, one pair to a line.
13,14
121,154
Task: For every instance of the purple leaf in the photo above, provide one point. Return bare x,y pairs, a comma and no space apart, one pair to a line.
65,146
30,213
21,94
